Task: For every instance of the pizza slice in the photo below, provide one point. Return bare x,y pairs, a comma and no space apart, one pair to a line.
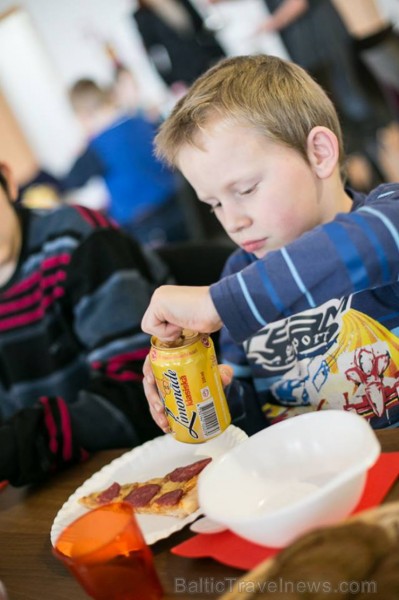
174,494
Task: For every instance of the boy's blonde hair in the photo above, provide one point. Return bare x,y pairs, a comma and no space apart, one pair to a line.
275,97
87,97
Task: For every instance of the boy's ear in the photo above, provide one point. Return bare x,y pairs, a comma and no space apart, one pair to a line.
12,187
323,151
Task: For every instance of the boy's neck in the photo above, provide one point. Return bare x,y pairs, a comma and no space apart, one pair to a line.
335,200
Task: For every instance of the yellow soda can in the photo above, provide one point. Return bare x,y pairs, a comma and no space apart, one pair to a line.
189,384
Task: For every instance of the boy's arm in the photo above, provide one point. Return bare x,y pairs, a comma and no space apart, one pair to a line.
240,392
286,14
108,286
355,252
86,166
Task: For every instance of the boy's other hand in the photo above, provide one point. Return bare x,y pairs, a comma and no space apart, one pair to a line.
151,392
173,308
150,389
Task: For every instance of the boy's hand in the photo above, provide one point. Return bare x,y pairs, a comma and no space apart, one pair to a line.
173,308
150,389
151,392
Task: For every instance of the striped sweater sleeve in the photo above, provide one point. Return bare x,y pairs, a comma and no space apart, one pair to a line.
355,252
110,284
108,303
38,441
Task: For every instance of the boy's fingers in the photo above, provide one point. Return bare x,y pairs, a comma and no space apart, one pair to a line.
156,407
147,371
151,394
160,419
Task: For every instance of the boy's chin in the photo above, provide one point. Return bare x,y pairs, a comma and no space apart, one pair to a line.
261,253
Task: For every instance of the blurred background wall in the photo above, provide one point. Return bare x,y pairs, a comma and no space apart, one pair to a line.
46,45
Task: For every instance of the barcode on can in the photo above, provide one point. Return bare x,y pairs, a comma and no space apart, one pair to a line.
208,417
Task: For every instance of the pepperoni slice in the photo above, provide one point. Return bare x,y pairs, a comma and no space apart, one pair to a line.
141,496
170,498
109,494
189,471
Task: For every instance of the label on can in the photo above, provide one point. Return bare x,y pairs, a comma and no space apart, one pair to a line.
189,384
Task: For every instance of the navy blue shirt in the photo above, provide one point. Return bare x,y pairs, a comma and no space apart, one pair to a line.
315,324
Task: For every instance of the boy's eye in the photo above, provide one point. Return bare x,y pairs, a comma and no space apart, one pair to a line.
248,191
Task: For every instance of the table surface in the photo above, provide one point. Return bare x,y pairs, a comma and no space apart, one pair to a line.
30,572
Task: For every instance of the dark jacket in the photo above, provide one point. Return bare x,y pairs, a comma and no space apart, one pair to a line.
175,55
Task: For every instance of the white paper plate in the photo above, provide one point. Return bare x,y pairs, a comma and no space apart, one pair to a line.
152,459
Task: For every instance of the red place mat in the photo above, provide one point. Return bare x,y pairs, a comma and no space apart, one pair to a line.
234,551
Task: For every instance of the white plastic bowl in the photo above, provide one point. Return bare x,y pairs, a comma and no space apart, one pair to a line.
299,474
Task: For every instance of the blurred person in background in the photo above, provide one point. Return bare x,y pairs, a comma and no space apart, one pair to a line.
176,40
73,291
377,45
376,40
144,194
125,89
316,38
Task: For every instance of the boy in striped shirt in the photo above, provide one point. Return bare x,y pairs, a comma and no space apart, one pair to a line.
310,300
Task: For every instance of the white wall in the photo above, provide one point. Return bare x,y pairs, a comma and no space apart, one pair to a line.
30,84
236,21
73,30
390,8
45,48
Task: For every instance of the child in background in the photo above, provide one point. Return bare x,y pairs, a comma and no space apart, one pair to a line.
73,290
127,96
310,300
177,41
143,192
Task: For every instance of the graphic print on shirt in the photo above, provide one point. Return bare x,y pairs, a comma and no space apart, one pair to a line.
330,357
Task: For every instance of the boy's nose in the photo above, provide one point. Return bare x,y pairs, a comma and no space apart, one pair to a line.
236,221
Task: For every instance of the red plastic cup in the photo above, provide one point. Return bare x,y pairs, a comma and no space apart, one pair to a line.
107,554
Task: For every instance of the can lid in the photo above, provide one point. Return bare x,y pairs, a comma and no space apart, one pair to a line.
187,337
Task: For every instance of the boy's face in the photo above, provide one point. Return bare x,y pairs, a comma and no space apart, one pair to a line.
264,194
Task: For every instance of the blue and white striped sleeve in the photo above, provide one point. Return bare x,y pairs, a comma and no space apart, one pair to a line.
355,252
